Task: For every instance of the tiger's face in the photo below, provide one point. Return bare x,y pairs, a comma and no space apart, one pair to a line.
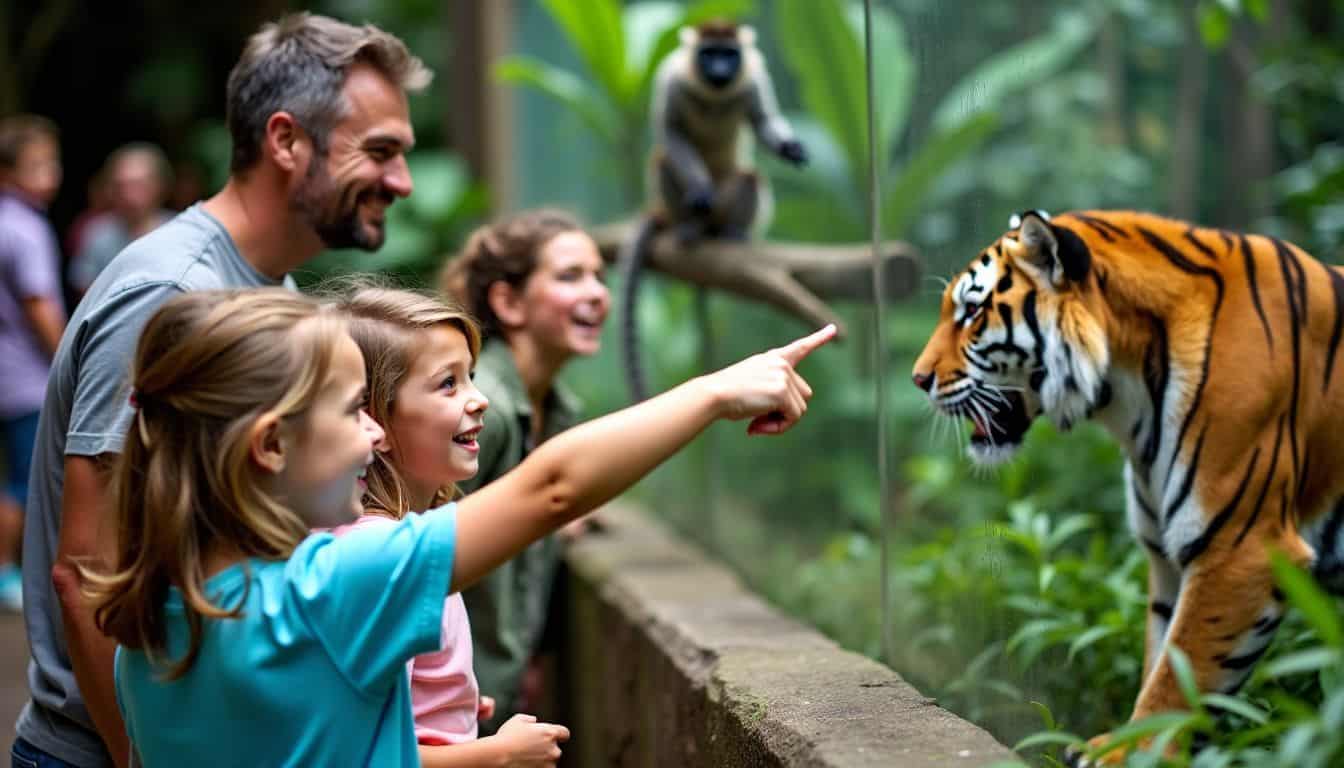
1016,340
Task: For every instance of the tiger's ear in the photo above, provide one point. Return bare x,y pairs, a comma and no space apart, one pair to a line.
1054,250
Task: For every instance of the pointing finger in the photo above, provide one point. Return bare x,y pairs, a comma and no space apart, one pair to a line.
796,351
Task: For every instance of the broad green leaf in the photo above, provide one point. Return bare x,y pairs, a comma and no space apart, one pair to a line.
821,49
564,86
1037,629
904,195
645,25
1067,529
441,180
594,29
893,76
1044,578
1089,638
1012,70
1215,24
1236,706
1306,596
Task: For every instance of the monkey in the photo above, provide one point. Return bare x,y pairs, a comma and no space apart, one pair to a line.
702,180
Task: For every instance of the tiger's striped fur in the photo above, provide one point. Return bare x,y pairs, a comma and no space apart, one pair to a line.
1212,357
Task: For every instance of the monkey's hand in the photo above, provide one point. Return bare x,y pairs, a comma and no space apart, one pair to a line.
793,151
700,201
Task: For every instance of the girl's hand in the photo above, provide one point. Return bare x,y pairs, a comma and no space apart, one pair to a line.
485,708
530,744
765,388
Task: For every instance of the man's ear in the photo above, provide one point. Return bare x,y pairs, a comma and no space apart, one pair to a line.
266,444
507,304
1054,250
285,142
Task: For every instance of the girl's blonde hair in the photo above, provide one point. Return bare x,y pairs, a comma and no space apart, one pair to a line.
387,324
208,365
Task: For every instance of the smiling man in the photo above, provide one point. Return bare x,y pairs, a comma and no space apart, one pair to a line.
318,117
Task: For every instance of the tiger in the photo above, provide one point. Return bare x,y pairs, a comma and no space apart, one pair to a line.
1210,357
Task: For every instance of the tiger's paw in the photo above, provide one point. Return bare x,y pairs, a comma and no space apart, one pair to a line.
1076,757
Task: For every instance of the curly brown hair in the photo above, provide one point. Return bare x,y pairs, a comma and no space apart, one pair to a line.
505,250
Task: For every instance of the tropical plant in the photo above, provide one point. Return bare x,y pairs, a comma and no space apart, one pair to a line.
620,47
1292,715
822,42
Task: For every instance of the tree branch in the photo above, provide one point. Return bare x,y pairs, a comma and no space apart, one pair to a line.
796,278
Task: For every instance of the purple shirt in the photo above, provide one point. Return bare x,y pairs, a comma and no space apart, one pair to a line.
29,268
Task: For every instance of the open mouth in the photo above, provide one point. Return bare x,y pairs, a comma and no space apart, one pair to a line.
589,323
468,439
1000,421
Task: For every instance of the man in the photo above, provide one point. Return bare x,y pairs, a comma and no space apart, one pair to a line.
31,316
319,122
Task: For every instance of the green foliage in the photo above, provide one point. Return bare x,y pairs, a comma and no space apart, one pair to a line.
1217,17
1291,714
822,44
620,48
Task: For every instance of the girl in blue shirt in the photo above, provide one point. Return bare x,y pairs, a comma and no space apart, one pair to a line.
245,641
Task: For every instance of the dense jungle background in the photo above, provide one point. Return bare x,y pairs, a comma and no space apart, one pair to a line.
1015,597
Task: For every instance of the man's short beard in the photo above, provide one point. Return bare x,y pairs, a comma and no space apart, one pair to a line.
326,209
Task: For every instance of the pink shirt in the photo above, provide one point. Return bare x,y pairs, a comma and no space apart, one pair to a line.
444,694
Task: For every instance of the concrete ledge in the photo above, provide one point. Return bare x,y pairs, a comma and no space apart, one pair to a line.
674,663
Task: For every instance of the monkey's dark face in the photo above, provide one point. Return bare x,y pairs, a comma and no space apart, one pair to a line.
718,62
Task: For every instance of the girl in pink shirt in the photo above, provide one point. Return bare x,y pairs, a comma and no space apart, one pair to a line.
419,354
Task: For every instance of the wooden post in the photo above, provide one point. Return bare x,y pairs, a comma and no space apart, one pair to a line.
479,114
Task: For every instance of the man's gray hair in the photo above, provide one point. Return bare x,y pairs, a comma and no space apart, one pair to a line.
298,65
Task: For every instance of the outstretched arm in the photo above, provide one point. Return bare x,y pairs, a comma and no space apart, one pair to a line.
581,469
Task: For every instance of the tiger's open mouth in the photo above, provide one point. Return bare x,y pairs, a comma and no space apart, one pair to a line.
1000,421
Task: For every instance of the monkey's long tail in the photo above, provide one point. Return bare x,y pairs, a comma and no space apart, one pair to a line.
634,252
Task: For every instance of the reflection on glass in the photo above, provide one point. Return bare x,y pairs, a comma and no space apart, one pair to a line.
999,587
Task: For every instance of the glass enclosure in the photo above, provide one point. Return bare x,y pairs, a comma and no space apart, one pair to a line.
1010,594
997,591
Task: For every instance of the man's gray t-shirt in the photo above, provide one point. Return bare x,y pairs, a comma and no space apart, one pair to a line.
85,413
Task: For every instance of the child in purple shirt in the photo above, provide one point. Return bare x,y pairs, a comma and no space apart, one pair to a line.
32,317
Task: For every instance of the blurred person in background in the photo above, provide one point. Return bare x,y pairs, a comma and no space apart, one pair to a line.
32,316
95,193
137,178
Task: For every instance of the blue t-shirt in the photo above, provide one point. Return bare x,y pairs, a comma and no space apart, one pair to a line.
314,671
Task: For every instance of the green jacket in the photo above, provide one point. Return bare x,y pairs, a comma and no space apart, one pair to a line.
508,608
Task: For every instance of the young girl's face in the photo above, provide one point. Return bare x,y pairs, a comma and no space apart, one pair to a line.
323,477
437,414
566,297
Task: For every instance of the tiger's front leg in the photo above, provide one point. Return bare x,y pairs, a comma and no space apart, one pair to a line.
1225,616
1164,578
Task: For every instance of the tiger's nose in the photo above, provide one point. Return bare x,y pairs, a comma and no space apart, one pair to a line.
922,380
